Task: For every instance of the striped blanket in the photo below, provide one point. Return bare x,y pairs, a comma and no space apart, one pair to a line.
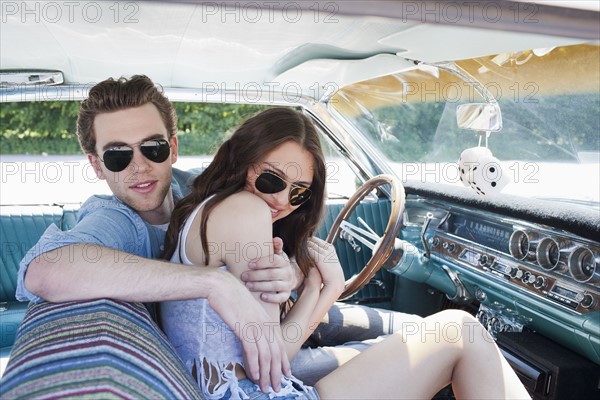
94,349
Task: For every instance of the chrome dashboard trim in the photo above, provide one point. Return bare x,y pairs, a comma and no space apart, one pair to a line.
540,273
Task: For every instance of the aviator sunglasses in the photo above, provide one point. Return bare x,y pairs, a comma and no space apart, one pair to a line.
118,158
269,183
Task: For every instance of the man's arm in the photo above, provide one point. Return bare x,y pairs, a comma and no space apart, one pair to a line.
73,275
108,255
141,279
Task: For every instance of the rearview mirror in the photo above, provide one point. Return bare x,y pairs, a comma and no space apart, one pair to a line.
479,117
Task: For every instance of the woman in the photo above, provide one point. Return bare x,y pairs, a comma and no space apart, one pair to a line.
269,179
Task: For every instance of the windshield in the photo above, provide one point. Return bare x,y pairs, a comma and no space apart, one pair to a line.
548,147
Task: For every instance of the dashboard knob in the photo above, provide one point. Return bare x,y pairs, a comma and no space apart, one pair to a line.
435,242
483,317
508,270
480,295
452,248
585,300
484,260
494,325
540,282
515,272
528,278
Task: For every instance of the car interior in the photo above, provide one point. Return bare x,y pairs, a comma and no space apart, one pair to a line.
462,144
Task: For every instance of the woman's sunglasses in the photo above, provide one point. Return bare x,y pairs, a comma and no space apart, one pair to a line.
116,159
269,183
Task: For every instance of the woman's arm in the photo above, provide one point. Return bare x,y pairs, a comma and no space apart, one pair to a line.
239,230
321,289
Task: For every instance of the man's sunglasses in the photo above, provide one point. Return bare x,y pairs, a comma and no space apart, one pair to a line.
116,159
269,183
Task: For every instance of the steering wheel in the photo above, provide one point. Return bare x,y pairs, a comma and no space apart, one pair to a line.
383,247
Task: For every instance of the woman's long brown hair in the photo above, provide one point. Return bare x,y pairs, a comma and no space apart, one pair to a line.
227,174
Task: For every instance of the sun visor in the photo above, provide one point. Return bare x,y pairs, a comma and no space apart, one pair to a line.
322,78
432,43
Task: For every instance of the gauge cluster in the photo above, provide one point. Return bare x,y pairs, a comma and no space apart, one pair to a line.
563,255
486,233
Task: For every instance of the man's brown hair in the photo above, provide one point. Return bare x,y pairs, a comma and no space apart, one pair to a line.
116,95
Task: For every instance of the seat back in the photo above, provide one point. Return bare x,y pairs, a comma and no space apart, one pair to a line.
20,229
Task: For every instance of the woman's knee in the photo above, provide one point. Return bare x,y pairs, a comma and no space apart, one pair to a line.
456,327
461,317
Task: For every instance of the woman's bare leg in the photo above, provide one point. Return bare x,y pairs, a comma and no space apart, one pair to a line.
448,347
346,331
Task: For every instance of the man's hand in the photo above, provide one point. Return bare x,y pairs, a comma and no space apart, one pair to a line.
265,358
274,276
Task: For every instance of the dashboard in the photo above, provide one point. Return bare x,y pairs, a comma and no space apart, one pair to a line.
520,274
544,262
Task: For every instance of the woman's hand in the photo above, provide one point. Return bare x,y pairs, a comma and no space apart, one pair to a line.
328,264
322,287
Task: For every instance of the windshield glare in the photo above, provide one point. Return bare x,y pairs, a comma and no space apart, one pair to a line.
548,147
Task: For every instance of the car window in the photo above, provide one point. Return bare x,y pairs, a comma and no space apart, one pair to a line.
41,161
548,146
